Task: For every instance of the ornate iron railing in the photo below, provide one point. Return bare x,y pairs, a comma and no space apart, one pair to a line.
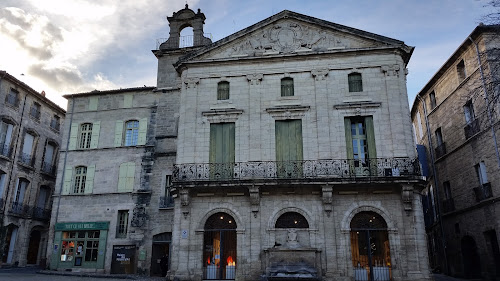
304,169
40,213
18,208
166,202
48,168
5,150
27,159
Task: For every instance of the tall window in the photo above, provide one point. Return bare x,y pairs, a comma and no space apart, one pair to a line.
27,156
484,190
122,224
287,87
132,132
55,123
448,204
167,200
43,195
35,111
80,179
3,177
48,158
222,150
289,150
12,98
5,138
481,173
461,71
355,82
223,90
17,203
85,135
360,143
469,112
432,98
439,137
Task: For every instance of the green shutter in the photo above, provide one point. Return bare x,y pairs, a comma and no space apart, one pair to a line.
130,177
213,143
68,176
89,183
96,128
118,133
102,249
230,137
298,140
93,103
222,149
348,138
143,129
127,100
289,148
370,137
73,137
122,177
278,127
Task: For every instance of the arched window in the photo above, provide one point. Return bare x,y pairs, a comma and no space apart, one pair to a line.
131,133
219,247
85,135
355,82
287,87
80,179
186,37
223,90
291,220
371,257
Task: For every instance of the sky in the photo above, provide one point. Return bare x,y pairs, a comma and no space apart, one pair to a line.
73,46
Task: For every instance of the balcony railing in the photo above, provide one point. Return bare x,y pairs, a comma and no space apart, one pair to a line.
5,150
166,202
483,192
55,124
48,168
27,159
448,205
35,113
12,100
18,208
40,213
440,150
472,128
306,169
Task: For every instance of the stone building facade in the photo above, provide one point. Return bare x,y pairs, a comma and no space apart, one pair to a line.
456,119
30,138
281,151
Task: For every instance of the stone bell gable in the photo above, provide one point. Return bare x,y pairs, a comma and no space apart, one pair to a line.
292,33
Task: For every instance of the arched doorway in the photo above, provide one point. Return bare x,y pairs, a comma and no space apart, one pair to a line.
370,249
470,258
160,255
219,247
33,247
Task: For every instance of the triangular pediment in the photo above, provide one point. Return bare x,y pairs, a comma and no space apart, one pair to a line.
292,33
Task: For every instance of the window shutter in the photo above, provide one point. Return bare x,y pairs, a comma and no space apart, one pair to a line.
348,138
127,100
230,128
280,139
297,131
130,177
93,103
118,133
68,176
122,177
89,183
213,142
96,128
143,129
370,137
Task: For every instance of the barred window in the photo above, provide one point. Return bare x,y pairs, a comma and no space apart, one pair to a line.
355,82
85,135
132,132
223,90
80,178
287,87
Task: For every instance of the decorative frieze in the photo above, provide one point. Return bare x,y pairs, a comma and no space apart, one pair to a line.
287,111
222,115
319,74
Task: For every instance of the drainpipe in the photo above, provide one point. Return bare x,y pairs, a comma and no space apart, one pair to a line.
436,183
485,95
64,163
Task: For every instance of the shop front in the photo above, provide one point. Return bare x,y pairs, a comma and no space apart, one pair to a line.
79,245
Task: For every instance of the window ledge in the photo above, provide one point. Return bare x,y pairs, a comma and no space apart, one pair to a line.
284,112
357,104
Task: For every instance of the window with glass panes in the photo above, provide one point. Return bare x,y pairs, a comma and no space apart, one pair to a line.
85,135
360,143
355,82
287,87
80,178
122,224
131,133
223,90
83,244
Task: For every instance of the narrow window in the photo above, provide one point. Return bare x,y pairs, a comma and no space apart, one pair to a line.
360,143
439,137
469,112
12,98
461,71
3,177
432,97
222,150
355,82
17,203
5,138
80,179
132,132
483,191
419,121
48,159
289,150
55,123
287,87
85,135
481,173
43,196
440,145
27,156
223,90
448,204
35,111
122,224
167,200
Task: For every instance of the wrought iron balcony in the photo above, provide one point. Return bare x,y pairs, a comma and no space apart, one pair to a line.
48,168
27,159
166,202
18,208
472,128
40,213
448,205
483,192
5,150
304,169
440,150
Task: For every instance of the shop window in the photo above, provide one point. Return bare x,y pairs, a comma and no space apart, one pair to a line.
79,245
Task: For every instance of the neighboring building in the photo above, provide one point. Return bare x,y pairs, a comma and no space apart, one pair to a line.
461,107
294,158
30,138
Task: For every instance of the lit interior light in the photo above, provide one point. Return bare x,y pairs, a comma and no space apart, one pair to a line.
371,221
221,218
295,222
230,221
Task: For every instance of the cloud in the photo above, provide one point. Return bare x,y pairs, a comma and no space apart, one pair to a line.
57,78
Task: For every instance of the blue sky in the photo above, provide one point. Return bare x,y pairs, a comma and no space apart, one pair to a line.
71,46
